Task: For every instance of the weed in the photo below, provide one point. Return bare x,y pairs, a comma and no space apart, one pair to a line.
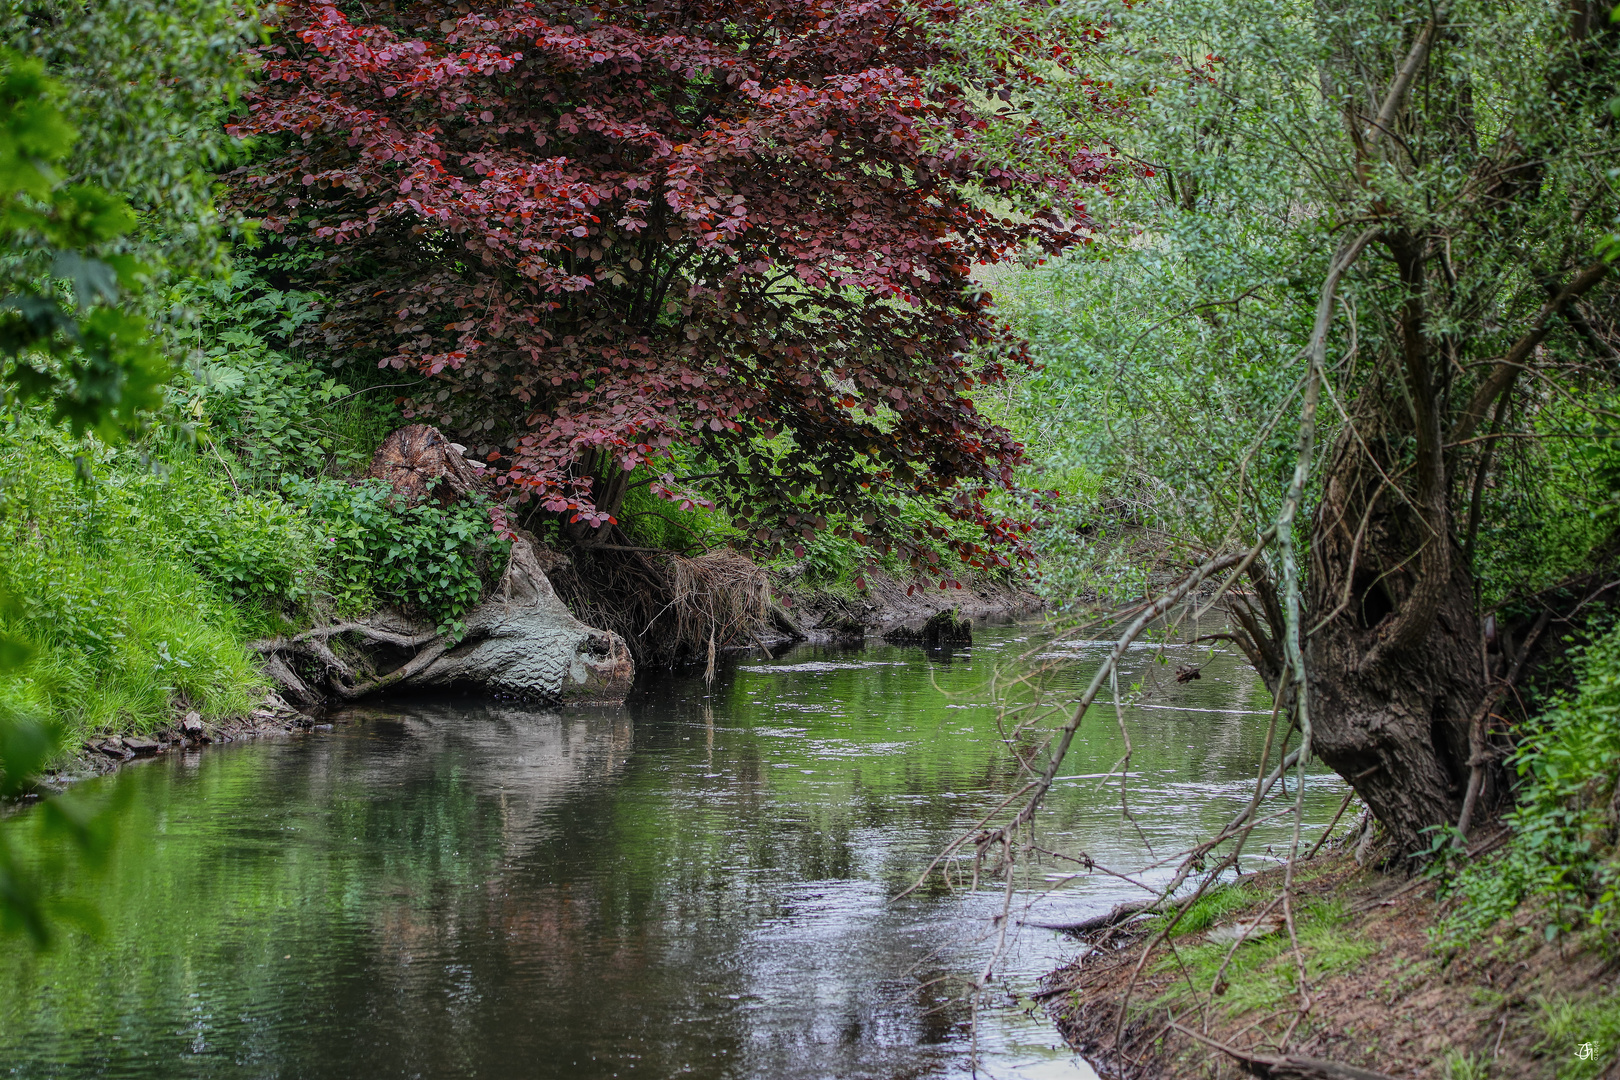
1456,1065
1582,1036
426,559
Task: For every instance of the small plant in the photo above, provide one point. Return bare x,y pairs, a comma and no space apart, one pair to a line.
1456,1065
1583,1036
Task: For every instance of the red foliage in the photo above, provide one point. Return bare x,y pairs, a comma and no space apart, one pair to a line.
610,230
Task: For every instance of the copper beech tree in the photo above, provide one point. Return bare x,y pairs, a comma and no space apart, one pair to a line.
609,233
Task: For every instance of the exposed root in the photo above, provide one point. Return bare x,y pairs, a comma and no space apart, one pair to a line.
521,641
670,608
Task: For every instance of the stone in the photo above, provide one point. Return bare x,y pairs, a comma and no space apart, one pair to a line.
192,724
1246,931
142,746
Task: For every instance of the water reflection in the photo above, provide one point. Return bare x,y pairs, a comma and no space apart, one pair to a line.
696,884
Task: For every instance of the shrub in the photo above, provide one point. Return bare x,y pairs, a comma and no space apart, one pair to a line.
427,559
1563,825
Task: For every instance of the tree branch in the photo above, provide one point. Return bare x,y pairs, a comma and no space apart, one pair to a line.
1508,368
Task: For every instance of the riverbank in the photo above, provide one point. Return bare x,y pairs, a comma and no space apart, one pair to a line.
821,614
814,615
108,750
1516,1002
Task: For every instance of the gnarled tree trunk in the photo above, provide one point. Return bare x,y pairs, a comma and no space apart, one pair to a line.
1395,662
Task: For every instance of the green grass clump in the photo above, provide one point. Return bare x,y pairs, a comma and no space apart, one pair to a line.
1217,902
1263,973
1567,1025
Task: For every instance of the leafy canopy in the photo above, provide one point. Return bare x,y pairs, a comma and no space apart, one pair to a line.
745,228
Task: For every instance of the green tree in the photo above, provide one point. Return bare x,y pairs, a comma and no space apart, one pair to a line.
1371,227
107,141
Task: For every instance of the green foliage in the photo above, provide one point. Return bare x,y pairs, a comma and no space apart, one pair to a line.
1556,503
426,559
1171,345
1456,1065
1562,848
656,522
121,623
1566,1024
63,334
146,85
101,106
248,387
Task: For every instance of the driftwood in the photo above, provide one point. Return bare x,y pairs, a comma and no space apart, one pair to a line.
1117,914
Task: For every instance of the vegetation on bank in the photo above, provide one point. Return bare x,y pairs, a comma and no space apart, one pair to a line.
1512,1005
186,421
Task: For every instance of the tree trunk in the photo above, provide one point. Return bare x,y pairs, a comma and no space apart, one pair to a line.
1391,693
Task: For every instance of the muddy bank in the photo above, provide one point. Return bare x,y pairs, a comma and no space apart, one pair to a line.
1382,998
106,752
821,615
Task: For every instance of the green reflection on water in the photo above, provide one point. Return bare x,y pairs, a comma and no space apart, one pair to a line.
695,884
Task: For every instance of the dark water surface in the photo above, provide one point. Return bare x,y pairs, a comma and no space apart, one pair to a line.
697,884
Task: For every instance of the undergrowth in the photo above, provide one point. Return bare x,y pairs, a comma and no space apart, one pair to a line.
122,626
1562,849
1564,1023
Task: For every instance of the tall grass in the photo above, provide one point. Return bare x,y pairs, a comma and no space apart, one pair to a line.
102,573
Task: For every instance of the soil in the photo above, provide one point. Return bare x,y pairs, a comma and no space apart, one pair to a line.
888,602
108,752
1401,1007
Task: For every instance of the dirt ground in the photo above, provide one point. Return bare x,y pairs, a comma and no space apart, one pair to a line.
887,604
1512,1004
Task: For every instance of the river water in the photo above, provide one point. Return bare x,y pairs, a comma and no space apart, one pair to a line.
697,884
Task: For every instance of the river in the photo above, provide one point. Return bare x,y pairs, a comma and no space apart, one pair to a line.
696,884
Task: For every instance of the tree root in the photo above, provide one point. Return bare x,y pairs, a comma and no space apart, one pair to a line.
340,677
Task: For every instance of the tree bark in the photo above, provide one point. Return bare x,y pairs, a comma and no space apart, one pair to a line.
1394,660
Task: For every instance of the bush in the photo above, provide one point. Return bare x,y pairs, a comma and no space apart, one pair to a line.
427,560
275,412
1561,851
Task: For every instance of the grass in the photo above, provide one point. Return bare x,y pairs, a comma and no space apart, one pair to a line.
1262,974
121,625
1217,902
1457,1065
1567,1025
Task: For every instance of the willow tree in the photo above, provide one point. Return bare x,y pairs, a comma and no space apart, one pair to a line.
1364,287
